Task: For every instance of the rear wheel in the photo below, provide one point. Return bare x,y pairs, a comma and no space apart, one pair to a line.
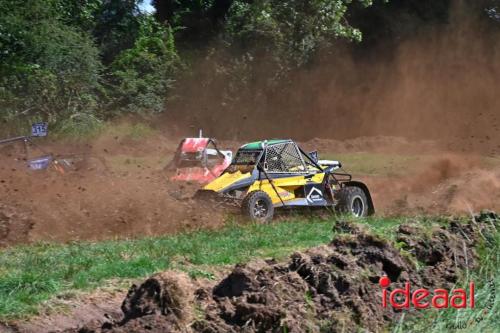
352,200
258,206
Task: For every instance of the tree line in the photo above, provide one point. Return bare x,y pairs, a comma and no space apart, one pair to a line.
75,63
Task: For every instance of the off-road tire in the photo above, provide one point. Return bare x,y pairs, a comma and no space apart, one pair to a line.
250,207
352,200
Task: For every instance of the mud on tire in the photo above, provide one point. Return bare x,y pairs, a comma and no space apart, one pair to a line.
352,200
258,206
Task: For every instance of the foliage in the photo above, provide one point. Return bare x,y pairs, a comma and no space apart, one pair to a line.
47,69
291,31
263,43
103,58
117,25
73,63
78,126
142,75
195,20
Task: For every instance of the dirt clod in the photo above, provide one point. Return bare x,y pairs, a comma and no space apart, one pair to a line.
168,294
330,288
15,225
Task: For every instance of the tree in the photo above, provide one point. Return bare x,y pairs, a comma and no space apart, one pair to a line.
116,27
72,62
194,20
290,31
48,69
142,75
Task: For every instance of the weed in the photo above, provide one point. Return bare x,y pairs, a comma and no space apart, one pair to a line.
484,317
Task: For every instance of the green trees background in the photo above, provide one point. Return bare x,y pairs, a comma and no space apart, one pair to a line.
74,62
77,62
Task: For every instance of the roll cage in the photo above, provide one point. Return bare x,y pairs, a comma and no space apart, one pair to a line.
283,159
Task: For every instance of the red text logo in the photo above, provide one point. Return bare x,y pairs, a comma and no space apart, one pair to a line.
423,298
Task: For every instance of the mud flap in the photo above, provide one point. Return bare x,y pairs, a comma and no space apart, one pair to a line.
315,195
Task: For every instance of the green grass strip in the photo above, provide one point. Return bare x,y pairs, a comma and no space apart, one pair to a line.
32,274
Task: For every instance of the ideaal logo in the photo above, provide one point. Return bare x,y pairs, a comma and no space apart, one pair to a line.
440,299
423,298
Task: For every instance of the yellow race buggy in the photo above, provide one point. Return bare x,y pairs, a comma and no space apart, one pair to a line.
268,175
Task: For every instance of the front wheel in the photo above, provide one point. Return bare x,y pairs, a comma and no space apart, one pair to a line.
352,200
258,206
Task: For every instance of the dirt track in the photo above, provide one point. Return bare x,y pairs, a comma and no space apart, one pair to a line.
121,189
117,192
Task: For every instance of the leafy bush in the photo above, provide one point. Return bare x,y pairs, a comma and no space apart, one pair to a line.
48,69
291,31
142,75
74,63
78,126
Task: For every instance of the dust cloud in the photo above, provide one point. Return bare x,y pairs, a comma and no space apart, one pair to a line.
440,83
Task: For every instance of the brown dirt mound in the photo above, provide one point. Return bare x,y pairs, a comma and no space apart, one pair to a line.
331,288
15,225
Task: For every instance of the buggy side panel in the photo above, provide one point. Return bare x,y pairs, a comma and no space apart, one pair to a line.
291,190
226,180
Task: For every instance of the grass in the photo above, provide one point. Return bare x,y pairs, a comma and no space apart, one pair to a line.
33,274
16,126
78,127
485,317
81,127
